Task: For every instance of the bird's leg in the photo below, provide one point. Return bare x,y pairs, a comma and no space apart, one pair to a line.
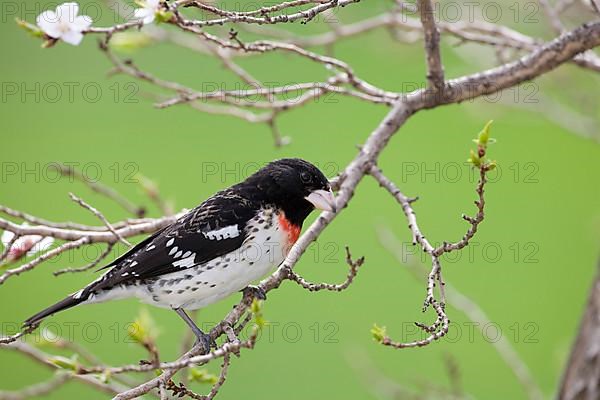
255,292
203,339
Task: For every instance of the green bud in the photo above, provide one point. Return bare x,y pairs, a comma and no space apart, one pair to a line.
256,306
201,376
378,333
256,309
260,321
491,166
484,135
32,29
164,16
136,332
65,363
143,329
105,377
474,159
129,42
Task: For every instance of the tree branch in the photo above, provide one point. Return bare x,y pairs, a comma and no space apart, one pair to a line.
435,70
571,46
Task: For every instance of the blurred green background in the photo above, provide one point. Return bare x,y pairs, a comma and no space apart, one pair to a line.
530,266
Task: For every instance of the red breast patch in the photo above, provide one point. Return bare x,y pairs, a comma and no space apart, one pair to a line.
292,231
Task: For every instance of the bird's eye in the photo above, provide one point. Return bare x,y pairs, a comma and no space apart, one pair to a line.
305,177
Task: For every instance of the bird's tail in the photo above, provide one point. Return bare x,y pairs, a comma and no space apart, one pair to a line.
64,304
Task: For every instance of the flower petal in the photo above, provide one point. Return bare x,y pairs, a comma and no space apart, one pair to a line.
46,242
6,237
48,22
41,245
146,15
47,17
22,246
67,11
72,37
149,19
140,13
81,23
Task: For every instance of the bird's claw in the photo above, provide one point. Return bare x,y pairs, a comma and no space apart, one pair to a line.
254,292
205,342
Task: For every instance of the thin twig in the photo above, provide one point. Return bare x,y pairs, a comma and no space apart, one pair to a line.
10,339
43,358
89,266
38,389
315,287
44,257
98,187
101,217
475,313
222,376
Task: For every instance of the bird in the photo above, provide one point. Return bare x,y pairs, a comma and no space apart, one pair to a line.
220,247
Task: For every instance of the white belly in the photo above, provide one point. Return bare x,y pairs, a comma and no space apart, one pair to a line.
199,286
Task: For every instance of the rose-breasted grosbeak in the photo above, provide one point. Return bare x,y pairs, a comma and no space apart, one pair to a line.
221,246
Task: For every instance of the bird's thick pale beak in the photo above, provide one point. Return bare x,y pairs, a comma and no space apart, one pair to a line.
322,200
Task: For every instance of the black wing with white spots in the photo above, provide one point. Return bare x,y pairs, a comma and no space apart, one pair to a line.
214,228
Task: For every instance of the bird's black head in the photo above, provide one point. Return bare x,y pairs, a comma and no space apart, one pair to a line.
294,185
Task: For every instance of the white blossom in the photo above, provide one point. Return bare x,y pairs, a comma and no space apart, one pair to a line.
148,11
28,244
64,23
